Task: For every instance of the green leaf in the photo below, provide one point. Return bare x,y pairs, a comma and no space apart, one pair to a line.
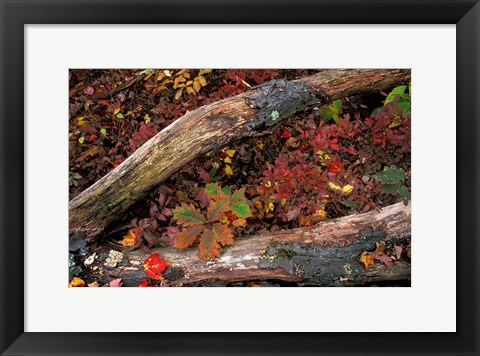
103,131
393,124
188,215
212,190
337,105
390,175
403,191
120,116
81,139
227,190
350,204
396,91
212,172
392,188
238,204
187,237
405,106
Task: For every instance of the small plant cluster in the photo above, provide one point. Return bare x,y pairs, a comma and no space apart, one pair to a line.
212,227
327,165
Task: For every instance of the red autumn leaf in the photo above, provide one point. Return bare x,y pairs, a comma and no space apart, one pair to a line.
104,102
286,133
143,283
154,266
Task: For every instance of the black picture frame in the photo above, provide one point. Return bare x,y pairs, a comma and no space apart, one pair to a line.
17,13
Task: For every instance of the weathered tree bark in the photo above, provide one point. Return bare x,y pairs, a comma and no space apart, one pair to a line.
200,131
326,254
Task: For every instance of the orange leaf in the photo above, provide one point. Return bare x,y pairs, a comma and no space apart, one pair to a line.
239,222
367,259
77,282
187,236
154,266
211,239
130,238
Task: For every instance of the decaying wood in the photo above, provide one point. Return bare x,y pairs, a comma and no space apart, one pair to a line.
326,254
198,132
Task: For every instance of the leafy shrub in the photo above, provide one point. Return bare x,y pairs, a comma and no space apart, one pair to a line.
211,228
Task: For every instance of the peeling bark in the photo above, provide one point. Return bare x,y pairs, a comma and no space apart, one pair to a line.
198,132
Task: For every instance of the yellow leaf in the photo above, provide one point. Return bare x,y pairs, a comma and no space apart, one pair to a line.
227,160
196,85
167,73
268,184
215,165
180,72
258,204
178,94
283,202
239,222
202,80
80,120
230,153
269,207
346,189
204,71
223,219
261,145
228,170
77,282
321,213
190,90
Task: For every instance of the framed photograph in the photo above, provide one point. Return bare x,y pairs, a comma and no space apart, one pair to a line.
179,144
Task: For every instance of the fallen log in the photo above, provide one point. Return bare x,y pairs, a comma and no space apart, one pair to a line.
209,128
326,254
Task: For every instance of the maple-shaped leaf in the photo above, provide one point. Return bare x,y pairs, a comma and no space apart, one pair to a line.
238,204
382,257
217,207
154,266
211,240
187,236
188,215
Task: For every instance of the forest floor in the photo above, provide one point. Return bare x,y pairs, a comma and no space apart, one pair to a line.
350,156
